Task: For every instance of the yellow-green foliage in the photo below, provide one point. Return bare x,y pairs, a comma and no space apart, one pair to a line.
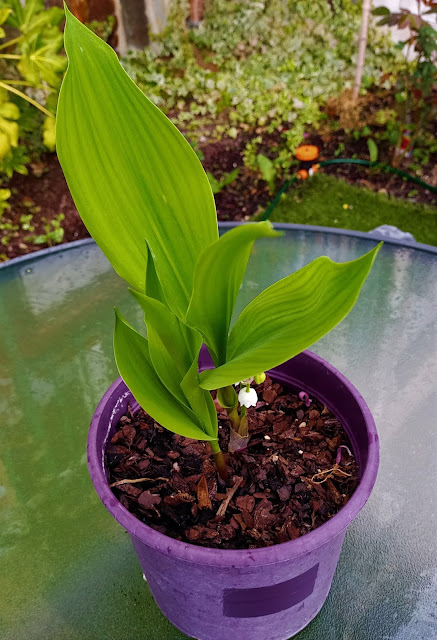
31,70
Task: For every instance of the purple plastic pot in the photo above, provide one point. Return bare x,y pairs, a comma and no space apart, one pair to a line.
256,594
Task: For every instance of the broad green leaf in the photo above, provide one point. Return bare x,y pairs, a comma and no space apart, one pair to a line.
153,286
290,316
135,366
200,400
172,346
217,280
174,353
132,174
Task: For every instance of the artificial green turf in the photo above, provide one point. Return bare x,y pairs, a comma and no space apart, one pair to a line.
320,200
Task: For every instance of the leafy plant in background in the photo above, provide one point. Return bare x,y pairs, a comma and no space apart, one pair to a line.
259,67
53,231
146,200
102,28
31,69
5,194
267,169
415,105
225,180
373,150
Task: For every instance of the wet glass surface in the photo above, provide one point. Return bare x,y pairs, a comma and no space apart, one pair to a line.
68,571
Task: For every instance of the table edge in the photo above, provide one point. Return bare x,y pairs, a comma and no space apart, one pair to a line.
366,235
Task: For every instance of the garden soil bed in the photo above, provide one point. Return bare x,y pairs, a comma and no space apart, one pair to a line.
376,179
44,191
283,485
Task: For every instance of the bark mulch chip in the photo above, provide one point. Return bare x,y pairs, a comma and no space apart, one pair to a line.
285,484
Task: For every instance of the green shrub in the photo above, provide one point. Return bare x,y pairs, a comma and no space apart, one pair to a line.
259,66
31,71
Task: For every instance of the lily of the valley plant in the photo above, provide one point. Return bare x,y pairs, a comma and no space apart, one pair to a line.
147,202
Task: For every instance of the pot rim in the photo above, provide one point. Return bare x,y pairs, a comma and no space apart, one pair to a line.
238,557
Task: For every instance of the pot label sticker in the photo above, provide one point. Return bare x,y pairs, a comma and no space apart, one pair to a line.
263,601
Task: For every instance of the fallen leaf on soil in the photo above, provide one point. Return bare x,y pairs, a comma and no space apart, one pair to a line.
148,500
203,499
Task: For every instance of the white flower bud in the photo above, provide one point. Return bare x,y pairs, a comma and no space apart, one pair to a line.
247,398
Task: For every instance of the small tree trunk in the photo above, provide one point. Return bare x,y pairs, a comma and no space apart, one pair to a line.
157,14
196,11
132,25
367,5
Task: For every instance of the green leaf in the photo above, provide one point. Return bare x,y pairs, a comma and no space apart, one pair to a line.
132,175
229,178
5,194
290,316
267,169
153,286
384,21
216,185
172,346
49,133
373,150
381,11
42,63
135,366
217,280
174,353
227,397
200,400
4,14
9,110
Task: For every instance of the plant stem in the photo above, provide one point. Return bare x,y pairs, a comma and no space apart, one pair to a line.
219,460
228,399
234,418
5,45
243,430
25,97
220,463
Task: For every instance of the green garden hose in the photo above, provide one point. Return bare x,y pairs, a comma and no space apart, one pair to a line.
386,167
365,163
274,202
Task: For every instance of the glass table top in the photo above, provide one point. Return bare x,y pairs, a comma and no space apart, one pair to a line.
68,570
